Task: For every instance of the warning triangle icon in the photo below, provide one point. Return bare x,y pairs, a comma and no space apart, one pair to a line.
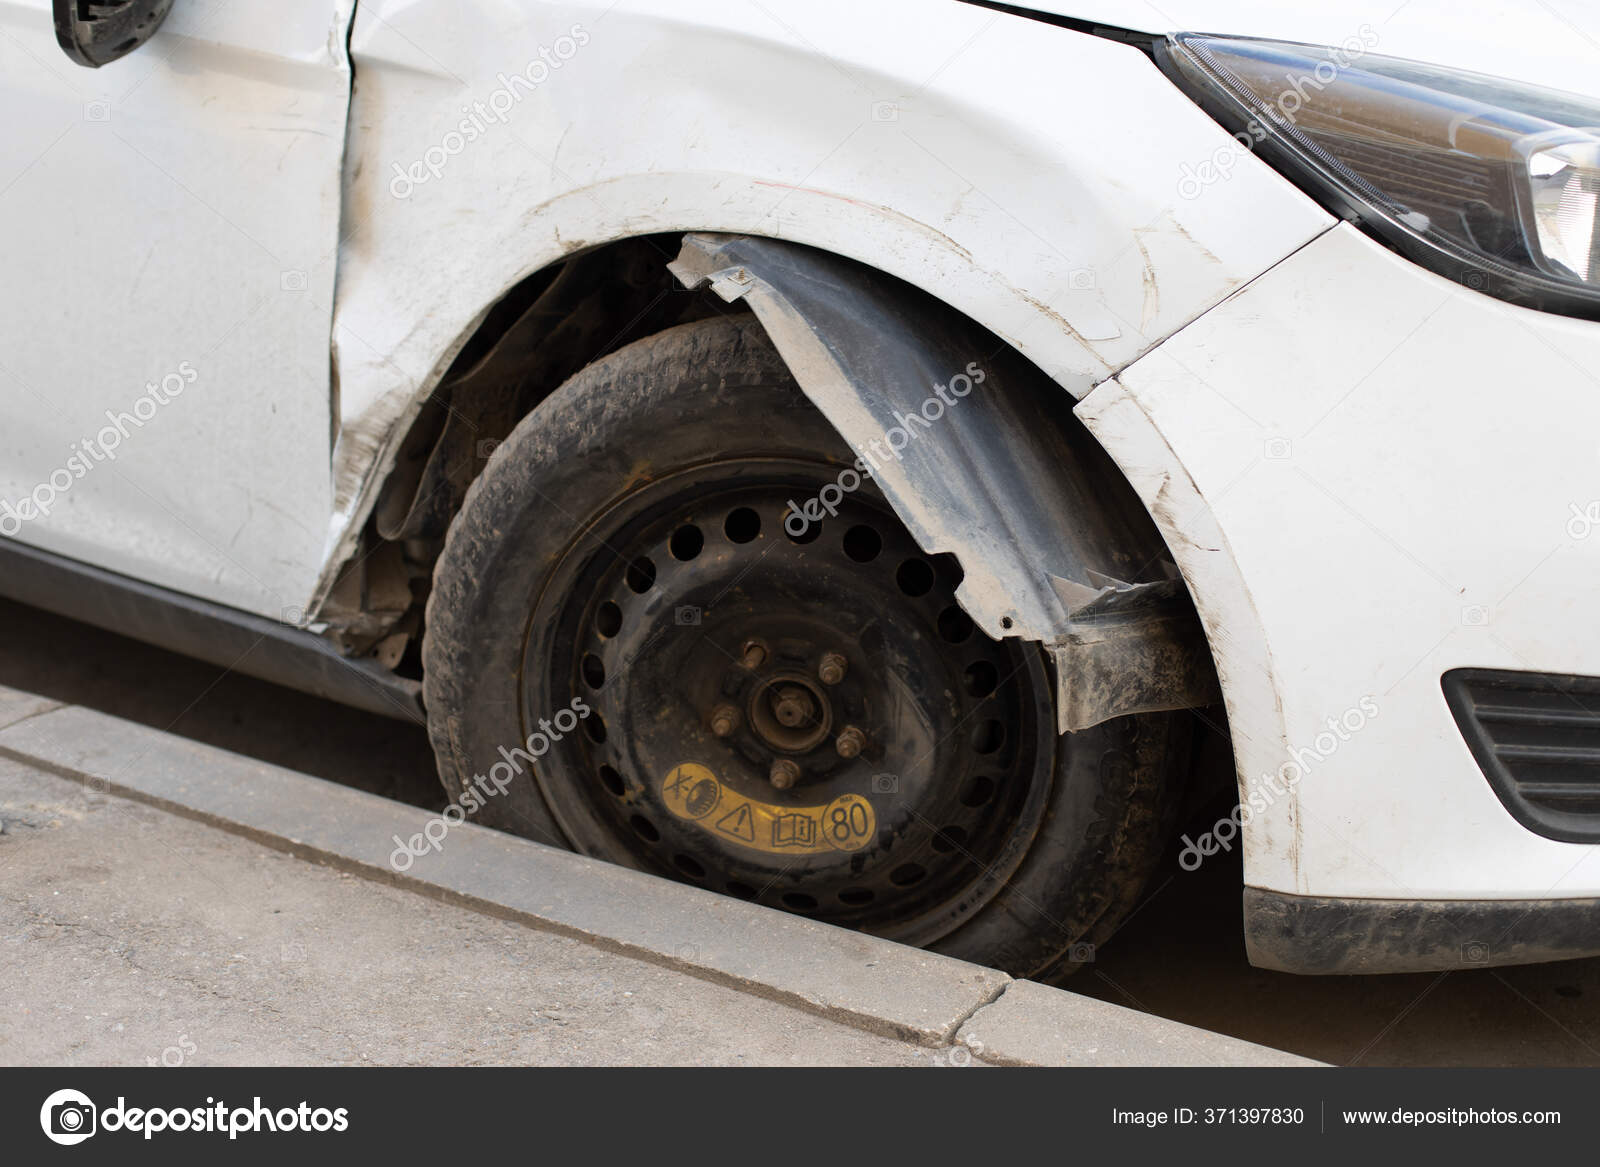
739,823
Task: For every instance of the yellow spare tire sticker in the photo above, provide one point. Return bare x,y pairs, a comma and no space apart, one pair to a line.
691,791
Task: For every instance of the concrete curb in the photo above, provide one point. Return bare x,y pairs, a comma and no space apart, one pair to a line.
1035,1025
871,983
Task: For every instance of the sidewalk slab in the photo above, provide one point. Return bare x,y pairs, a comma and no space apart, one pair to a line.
134,937
1035,1025
875,984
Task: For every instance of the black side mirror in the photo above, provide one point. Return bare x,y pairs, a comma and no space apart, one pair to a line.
97,32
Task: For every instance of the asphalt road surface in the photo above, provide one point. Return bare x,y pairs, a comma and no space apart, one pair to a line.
1181,956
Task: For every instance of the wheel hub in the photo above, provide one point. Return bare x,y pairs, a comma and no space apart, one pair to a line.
789,713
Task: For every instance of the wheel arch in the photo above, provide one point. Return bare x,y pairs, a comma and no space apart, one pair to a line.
1054,546
384,388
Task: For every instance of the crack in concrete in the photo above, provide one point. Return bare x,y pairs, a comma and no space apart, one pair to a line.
956,1026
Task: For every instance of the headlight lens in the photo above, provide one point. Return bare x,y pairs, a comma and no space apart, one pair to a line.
1491,182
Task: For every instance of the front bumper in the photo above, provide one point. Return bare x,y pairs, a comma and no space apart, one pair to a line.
1371,476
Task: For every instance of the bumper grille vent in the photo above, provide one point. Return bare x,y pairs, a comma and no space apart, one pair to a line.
1537,738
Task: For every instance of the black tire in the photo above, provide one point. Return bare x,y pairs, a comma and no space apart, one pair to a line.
697,417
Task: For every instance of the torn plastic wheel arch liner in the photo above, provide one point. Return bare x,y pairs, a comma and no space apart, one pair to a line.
1053,545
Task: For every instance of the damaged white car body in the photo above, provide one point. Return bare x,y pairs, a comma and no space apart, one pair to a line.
1372,472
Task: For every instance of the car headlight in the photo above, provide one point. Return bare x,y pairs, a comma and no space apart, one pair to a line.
1493,183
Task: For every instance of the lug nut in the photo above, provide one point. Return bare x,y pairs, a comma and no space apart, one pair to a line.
754,654
724,720
850,742
784,774
830,670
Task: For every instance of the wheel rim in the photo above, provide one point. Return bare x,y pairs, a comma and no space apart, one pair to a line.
810,722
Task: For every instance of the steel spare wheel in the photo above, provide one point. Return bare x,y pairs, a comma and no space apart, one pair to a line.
680,631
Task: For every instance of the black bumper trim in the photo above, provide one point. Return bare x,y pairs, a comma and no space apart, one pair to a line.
1319,935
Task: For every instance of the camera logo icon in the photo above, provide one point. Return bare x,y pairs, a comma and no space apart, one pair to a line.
68,1117
687,615
886,784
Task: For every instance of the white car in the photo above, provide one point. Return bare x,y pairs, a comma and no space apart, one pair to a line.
842,454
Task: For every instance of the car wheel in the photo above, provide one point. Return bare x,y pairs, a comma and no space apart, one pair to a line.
637,649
